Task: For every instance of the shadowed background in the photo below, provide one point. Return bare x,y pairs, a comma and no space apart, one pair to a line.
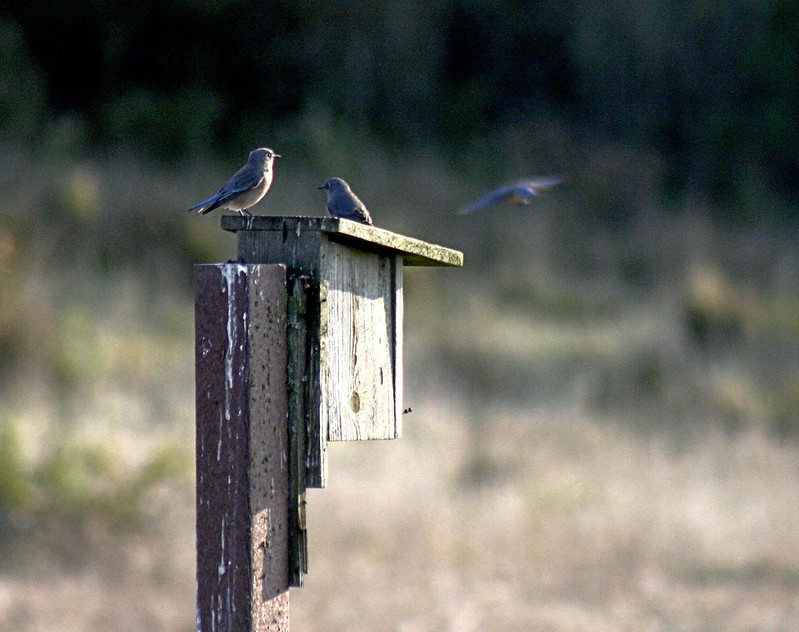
605,398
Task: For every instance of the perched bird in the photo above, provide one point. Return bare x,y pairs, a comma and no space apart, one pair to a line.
342,202
521,192
247,186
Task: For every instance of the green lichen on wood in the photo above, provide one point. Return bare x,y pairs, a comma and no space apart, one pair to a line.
414,252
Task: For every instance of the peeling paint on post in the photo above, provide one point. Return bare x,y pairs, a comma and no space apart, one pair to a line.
242,448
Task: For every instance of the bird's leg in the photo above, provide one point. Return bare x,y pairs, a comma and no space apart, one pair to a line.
244,212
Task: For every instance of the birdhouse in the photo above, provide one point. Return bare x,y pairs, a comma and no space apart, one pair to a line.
345,321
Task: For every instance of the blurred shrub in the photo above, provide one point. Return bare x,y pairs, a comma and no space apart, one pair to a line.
785,407
27,324
75,487
166,126
718,314
22,87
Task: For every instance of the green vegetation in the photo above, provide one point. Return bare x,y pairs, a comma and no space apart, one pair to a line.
76,484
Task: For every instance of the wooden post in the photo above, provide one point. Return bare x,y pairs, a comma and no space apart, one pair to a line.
298,344
243,493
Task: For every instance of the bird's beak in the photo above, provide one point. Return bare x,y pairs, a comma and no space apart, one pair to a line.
322,187
276,156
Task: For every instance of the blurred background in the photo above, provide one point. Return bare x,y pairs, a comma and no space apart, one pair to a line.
605,398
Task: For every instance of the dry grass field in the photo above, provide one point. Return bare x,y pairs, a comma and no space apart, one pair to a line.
548,520
603,433
573,525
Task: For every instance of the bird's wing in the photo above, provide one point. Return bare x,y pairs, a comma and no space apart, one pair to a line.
355,212
362,214
489,199
540,184
245,179
359,210
521,191
242,181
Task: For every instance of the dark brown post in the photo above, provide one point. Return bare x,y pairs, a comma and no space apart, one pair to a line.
242,449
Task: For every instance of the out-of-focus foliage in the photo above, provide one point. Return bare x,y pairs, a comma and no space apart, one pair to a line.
76,482
21,90
711,86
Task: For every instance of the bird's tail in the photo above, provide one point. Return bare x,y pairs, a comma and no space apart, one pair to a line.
204,207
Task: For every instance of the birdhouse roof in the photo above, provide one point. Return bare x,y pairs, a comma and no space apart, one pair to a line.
414,252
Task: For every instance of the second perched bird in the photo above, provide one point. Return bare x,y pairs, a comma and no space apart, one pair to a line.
342,202
247,186
521,192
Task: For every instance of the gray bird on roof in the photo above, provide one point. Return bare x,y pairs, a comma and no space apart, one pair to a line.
247,186
342,202
521,192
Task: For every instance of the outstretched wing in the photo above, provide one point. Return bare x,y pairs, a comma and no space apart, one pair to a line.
489,199
539,184
519,192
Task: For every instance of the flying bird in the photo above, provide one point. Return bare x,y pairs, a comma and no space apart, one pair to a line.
521,192
342,202
247,186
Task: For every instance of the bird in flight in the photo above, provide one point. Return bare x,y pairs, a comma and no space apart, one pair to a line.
521,192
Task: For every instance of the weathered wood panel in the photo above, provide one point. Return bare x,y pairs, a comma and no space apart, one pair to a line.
269,452
399,369
309,436
358,343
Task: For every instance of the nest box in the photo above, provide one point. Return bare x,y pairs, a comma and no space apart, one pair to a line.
345,321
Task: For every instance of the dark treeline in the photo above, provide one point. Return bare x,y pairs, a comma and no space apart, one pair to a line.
711,87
